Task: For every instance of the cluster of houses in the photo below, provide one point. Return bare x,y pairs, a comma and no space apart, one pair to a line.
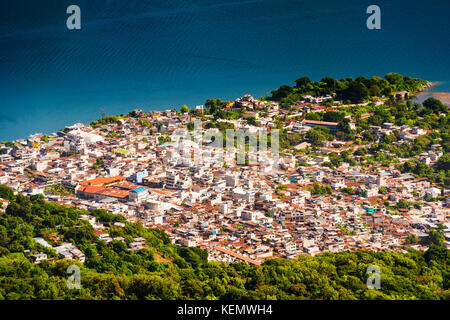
65,250
236,212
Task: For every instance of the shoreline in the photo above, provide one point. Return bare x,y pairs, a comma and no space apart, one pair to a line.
418,96
431,84
442,96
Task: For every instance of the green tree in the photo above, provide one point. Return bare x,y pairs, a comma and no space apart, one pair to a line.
184,109
435,105
434,237
444,162
6,193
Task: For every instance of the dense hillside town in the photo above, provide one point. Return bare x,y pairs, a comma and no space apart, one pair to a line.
344,175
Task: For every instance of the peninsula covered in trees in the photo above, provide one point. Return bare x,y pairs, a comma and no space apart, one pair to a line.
348,90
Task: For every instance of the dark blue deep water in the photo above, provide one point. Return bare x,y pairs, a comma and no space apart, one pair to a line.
162,54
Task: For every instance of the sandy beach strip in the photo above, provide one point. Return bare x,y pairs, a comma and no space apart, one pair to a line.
444,97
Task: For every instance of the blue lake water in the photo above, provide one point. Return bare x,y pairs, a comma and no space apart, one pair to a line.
162,54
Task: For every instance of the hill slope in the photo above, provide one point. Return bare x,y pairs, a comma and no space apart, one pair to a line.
111,271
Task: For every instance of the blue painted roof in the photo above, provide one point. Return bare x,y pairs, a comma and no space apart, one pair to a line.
137,190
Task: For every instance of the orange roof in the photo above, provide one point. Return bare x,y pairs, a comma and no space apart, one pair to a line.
91,189
126,185
109,192
100,181
116,193
325,123
237,255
